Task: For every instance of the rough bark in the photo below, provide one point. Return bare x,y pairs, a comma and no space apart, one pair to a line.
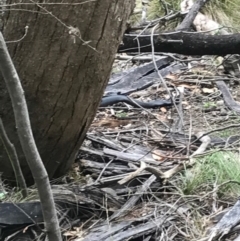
183,43
63,78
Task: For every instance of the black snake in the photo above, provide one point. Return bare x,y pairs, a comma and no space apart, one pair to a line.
113,99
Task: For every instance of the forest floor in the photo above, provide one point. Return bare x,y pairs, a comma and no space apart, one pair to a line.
144,174
195,197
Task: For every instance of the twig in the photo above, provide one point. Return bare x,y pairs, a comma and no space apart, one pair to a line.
12,154
160,76
16,41
165,7
73,31
133,200
215,130
27,141
133,174
186,23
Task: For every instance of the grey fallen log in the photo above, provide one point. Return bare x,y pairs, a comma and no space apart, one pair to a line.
125,230
228,221
130,157
141,77
128,206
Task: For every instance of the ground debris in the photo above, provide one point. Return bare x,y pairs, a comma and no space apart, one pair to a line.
131,177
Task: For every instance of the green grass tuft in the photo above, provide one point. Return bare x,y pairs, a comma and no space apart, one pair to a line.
213,170
224,12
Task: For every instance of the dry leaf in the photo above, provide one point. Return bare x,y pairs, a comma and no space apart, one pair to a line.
171,77
185,85
111,123
158,155
208,91
161,117
187,107
128,126
77,233
70,234
197,91
163,109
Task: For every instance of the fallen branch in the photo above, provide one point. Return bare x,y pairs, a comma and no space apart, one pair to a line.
183,43
12,154
188,20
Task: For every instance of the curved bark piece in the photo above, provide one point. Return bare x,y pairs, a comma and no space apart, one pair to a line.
227,96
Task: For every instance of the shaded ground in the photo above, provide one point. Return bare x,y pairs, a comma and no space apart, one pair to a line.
136,177
203,106
187,213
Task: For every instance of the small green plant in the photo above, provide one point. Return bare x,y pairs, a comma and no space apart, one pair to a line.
226,133
207,105
121,114
211,171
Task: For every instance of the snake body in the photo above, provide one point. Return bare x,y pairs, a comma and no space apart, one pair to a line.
113,99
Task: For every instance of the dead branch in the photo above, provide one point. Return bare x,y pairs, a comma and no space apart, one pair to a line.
188,20
12,154
183,43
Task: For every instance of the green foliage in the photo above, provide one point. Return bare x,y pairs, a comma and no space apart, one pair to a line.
207,105
156,9
211,171
224,12
226,133
121,114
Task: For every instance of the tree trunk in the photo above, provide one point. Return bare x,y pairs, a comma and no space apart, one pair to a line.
63,77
